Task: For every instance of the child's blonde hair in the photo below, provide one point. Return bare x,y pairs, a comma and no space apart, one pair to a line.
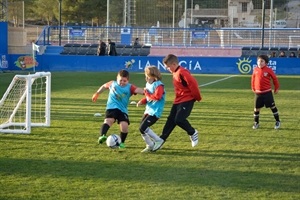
153,72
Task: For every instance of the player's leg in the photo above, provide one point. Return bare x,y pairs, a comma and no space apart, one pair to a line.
123,121
170,123
183,112
270,103
147,133
258,103
168,128
108,122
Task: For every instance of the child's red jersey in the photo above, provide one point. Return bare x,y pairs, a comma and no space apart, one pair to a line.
185,86
261,80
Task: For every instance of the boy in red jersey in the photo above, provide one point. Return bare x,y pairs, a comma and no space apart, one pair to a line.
261,86
186,93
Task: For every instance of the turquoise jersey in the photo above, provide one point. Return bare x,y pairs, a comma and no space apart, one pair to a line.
118,97
155,107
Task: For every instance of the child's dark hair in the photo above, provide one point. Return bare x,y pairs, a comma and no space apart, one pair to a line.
123,73
170,59
264,57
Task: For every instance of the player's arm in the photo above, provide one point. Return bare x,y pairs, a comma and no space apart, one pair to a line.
157,95
275,82
136,90
143,101
193,85
253,82
100,90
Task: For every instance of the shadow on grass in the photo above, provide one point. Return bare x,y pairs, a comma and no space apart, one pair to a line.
232,154
127,170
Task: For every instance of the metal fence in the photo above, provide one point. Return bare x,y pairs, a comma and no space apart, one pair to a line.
223,37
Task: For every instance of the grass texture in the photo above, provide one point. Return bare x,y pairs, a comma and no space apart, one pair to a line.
232,161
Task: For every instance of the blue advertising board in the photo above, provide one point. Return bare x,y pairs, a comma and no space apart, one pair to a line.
197,65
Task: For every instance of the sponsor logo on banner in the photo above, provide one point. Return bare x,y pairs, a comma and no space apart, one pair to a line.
26,62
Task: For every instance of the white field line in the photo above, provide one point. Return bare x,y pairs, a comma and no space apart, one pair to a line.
219,80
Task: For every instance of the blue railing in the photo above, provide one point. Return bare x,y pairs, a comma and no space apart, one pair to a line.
194,37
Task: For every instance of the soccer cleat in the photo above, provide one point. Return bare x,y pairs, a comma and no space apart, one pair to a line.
158,144
122,146
102,139
277,125
147,149
255,125
194,138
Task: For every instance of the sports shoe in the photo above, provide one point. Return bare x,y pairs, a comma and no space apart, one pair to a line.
122,146
194,138
158,144
102,139
277,125
255,125
147,149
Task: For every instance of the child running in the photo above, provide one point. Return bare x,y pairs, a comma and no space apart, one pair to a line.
155,101
186,93
116,108
261,86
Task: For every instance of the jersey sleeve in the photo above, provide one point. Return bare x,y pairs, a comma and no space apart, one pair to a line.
108,84
157,95
132,89
143,100
275,80
192,84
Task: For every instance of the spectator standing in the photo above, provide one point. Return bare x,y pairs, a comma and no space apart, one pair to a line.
111,48
136,43
101,48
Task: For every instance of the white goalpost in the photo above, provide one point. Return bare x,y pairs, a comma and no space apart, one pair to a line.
26,103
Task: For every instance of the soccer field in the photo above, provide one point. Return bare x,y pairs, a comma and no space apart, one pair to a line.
231,161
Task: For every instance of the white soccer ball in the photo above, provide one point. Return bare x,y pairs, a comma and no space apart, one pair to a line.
113,141
97,115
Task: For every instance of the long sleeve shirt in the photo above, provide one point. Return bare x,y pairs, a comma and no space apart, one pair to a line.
261,80
185,86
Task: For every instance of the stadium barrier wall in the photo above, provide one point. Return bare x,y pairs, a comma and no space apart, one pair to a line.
197,65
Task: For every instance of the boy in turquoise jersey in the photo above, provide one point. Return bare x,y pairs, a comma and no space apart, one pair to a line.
116,108
155,102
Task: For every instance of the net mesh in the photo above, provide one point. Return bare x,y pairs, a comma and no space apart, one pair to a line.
13,106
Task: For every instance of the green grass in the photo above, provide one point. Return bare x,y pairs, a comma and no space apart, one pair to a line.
232,161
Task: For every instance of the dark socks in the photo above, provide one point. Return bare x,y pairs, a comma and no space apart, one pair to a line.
104,128
123,136
256,116
275,113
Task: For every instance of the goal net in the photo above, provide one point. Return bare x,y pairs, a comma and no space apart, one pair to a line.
26,103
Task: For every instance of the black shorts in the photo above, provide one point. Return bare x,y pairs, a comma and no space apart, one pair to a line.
265,99
117,115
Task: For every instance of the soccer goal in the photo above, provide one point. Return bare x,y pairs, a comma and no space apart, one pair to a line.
26,103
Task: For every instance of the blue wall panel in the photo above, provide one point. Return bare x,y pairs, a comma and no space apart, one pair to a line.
203,65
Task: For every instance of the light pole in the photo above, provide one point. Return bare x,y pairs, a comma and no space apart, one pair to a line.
263,23
59,37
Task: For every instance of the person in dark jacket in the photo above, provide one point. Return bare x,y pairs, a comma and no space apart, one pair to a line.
101,48
111,48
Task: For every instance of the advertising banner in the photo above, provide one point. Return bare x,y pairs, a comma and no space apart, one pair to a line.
197,65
